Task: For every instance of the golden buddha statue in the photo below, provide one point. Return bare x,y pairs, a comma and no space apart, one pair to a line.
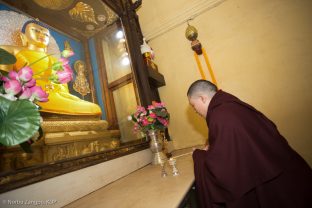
35,38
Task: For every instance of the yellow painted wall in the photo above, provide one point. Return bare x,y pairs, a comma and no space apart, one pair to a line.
260,50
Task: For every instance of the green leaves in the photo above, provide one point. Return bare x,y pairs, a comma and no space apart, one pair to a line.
6,58
19,121
57,66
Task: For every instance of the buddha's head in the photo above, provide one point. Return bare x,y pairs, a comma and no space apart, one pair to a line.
35,34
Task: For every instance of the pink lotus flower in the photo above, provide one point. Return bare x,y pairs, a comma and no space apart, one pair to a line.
12,87
150,107
158,105
38,94
64,61
5,79
13,75
26,94
140,110
67,53
25,74
152,115
163,121
65,76
30,83
145,122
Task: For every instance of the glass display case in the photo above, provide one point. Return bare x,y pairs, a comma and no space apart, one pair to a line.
84,121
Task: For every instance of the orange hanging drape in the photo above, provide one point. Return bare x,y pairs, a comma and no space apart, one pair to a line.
200,68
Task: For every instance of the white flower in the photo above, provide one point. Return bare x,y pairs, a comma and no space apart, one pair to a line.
129,118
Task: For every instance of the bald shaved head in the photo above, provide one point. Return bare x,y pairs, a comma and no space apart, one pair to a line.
200,94
202,87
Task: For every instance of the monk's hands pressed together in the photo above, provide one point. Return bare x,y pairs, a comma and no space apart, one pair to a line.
206,147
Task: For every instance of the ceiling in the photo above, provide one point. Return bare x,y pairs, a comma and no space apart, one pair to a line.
78,18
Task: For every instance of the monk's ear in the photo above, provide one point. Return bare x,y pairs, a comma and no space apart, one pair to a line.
23,38
203,98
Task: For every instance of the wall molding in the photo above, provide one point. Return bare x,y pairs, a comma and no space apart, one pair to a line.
179,17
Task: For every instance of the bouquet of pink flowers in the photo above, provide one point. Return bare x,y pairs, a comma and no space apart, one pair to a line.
155,117
21,85
19,115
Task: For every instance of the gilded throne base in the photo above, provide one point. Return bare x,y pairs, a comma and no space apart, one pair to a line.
64,137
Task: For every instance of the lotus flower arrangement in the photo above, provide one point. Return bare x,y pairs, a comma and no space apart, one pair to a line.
154,117
19,115
22,86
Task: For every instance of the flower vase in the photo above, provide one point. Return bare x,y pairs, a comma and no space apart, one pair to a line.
156,146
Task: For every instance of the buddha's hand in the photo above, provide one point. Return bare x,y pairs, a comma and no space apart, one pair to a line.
69,96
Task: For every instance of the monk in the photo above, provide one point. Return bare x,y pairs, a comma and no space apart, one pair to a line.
248,163
35,37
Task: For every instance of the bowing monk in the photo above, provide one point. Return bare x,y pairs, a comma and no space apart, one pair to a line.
248,163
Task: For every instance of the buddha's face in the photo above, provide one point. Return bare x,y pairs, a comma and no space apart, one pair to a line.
37,35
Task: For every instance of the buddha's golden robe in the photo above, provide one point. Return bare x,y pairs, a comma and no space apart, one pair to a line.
60,100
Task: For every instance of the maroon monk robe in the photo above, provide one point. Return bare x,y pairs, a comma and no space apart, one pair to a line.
248,164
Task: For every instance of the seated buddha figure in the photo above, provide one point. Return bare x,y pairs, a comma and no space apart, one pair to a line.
35,37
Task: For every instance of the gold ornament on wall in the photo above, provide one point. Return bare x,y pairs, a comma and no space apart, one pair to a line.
54,4
81,84
82,12
67,45
191,34
107,17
